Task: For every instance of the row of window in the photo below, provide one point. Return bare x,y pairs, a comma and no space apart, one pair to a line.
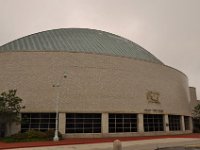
91,123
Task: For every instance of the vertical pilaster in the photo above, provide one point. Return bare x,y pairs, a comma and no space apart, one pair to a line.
140,123
191,123
166,123
12,128
182,123
104,123
61,123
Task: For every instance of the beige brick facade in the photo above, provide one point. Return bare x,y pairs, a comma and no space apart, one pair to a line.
95,84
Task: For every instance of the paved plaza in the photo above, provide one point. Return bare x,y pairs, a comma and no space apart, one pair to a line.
127,145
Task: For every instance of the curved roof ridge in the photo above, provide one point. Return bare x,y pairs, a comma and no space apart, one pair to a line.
80,40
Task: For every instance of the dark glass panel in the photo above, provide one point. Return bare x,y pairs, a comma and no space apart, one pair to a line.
25,126
33,126
97,130
35,115
83,123
52,126
174,122
39,121
70,130
187,122
52,115
44,121
44,126
122,122
44,115
35,121
153,122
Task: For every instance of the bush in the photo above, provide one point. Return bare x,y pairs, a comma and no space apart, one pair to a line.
50,134
32,135
35,134
19,135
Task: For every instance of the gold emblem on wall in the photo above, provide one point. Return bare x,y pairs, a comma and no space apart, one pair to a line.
153,97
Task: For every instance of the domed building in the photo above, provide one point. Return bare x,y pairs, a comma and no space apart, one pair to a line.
98,83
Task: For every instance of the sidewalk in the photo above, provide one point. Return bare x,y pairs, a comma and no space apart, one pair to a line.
127,145
72,141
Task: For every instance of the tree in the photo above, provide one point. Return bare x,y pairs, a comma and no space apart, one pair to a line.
196,111
10,107
196,118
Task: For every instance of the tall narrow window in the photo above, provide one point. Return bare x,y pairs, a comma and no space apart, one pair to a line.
122,123
83,123
153,122
196,125
174,122
187,122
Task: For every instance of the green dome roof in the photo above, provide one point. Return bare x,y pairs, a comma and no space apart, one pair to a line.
80,40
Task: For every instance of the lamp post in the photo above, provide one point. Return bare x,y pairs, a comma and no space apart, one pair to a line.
58,85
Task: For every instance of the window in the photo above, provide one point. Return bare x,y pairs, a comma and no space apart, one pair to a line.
187,122
122,123
153,122
38,121
196,125
83,123
174,122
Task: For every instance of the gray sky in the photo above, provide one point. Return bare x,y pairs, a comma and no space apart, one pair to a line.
169,29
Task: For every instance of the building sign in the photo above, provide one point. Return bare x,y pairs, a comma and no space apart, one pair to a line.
153,97
153,110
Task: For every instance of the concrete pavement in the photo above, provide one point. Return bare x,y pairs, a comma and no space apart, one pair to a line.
128,145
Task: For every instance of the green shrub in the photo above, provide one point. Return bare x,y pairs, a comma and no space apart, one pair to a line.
36,134
32,135
50,134
19,135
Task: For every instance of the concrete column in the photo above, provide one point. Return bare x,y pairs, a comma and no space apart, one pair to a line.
182,123
191,123
61,123
104,123
166,123
140,123
12,128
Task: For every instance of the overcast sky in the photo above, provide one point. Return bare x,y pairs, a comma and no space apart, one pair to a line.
169,29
